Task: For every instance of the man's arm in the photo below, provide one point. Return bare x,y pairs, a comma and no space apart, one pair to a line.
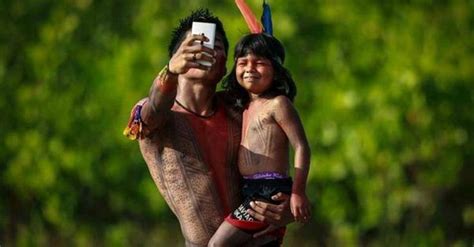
164,88
160,99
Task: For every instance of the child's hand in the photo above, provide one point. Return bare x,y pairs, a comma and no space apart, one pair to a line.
300,207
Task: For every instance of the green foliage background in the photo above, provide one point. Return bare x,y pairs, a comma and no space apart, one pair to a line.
385,94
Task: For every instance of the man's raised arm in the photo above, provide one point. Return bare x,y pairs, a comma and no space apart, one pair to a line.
151,113
160,99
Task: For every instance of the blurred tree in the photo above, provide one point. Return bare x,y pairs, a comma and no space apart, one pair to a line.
385,93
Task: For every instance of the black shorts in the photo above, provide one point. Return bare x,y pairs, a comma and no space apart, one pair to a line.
261,190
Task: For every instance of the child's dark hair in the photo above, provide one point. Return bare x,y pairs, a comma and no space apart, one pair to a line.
185,24
266,46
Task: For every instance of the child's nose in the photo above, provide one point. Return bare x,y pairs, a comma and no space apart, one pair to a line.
251,66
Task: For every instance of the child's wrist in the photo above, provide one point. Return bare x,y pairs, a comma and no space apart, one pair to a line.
298,191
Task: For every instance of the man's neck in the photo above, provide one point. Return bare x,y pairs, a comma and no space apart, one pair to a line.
196,96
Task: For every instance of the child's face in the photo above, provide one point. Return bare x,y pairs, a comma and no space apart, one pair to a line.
254,73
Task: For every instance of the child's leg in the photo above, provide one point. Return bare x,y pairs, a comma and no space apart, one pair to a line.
229,235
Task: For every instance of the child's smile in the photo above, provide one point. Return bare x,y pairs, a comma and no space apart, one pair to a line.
251,77
254,73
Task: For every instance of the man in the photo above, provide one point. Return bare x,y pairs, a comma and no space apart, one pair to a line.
189,136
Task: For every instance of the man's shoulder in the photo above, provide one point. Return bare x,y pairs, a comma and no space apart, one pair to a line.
141,102
142,129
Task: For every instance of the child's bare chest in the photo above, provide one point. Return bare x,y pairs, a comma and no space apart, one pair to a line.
264,145
259,128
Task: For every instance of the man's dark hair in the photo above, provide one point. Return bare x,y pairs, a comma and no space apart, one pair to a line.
185,24
266,46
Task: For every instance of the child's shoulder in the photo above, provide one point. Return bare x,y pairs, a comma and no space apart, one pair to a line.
281,101
281,107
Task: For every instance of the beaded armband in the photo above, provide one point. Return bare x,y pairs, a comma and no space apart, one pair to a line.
162,76
134,128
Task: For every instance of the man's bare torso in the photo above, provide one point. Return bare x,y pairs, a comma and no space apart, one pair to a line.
177,162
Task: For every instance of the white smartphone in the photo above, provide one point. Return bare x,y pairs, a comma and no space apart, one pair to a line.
209,30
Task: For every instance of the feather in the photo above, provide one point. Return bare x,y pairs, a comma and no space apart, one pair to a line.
267,19
250,19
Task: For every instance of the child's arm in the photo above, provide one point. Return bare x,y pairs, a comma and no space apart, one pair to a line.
287,118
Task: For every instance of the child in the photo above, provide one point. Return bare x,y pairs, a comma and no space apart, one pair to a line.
266,90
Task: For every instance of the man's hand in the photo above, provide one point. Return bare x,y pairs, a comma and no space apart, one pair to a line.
188,54
277,215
